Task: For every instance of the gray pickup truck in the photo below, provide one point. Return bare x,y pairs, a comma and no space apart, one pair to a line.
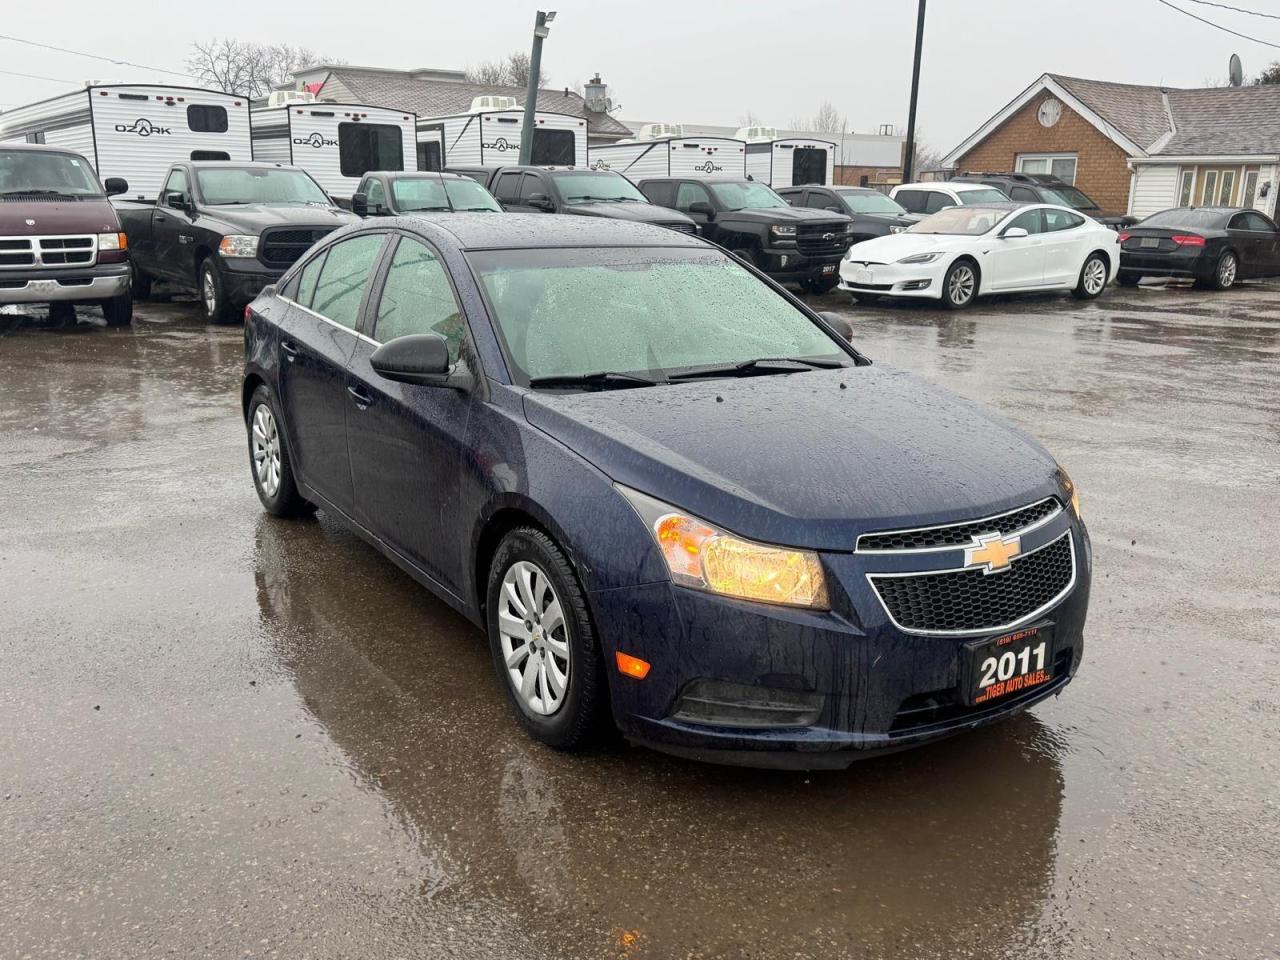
226,230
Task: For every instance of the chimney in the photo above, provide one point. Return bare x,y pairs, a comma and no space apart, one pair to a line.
596,94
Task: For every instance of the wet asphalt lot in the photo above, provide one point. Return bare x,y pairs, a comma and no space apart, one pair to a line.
227,736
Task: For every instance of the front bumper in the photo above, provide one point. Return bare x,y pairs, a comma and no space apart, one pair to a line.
894,279
787,263
102,282
244,277
845,684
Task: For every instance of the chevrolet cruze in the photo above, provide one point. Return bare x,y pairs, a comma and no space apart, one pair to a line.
677,500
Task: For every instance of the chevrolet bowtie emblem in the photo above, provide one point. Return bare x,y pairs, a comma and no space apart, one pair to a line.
992,553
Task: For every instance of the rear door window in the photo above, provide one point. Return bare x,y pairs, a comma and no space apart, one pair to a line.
344,277
935,200
1055,220
912,200
1023,195
307,281
507,189
369,146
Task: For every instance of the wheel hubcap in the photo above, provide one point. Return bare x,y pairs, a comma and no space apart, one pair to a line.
1095,276
210,293
266,450
960,289
533,638
1228,272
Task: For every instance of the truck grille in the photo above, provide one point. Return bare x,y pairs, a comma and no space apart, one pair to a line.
822,240
960,534
283,246
971,601
688,228
17,252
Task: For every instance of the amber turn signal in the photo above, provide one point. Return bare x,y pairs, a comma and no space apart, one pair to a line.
631,666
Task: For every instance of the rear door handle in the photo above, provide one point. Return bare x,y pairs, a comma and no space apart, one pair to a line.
289,349
361,398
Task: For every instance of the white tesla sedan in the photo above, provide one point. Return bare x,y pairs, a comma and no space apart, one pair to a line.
965,252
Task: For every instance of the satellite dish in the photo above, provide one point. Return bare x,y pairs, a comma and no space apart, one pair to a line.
1235,71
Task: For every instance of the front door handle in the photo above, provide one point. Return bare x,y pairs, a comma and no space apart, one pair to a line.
361,398
289,349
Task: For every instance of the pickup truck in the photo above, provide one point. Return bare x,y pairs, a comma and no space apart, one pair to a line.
60,239
226,230
576,192
392,193
790,244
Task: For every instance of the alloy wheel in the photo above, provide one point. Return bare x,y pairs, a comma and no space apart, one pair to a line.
961,284
534,638
209,293
1095,277
1227,271
266,450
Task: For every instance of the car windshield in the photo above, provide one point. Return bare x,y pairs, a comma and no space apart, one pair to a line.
429,193
644,311
228,185
1070,197
746,196
597,188
872,202
1186,217
981,195
962,221
40,171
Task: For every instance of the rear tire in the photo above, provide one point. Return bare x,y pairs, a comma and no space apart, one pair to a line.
269,460
1225,272
118,311
960,285
559,633
213,294
1093,278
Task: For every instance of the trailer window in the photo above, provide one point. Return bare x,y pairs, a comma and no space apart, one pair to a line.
210,155
553,148
203,118
369,146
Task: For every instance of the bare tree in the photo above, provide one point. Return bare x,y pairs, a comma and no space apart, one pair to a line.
826,120
511,71
925,157
249,69
1270,75
749,119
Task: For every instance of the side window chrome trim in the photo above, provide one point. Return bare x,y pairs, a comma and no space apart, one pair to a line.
332,323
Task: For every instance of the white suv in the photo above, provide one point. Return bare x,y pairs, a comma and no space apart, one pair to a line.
926,198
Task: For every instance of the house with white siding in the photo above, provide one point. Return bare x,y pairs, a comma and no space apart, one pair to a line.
1144,147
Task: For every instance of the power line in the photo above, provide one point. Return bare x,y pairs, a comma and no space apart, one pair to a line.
1218,26
36,76
1225,6
93,56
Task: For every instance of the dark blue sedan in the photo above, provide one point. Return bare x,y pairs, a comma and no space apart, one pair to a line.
673,496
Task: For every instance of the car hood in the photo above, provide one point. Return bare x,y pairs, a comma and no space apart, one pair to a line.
808,459
638,212
784,215
29,218
890,219
254,217
894,247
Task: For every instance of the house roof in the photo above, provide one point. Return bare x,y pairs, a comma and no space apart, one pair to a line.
428,97
1153,121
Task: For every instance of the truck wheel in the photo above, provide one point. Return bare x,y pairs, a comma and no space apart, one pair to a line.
746,255
118,311
819,285
139,283
213,297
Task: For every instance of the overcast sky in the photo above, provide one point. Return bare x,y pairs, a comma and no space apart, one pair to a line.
699,62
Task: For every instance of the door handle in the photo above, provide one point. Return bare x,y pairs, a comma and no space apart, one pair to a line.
361,398
289,349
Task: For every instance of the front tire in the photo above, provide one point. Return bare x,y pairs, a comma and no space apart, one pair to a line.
960,285
269,459
747,256
139,283
118,311
543,642
819,286
1093,278
213,293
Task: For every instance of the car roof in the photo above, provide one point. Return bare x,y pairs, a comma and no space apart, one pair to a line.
519,231
39,148
239,164
701,179
418,174
956,185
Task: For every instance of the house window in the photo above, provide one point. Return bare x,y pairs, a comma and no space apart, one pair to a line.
206,119
1185,187
1060,165
1250,196
369,146
1209,188
1227,187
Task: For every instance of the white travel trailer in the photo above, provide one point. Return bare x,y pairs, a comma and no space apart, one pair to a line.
662,150
488,135
337,143
137,131
788,162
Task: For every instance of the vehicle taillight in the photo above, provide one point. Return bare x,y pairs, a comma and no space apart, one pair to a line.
1122,237
1188,240
248,312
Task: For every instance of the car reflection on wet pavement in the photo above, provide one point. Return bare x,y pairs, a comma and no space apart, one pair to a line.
225,735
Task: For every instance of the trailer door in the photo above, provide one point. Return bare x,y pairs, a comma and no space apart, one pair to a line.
808,165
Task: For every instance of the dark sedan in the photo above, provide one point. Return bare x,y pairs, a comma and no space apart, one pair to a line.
675,498
873,213
1214,246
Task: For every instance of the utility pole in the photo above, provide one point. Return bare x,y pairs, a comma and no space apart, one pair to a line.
909,154
540,31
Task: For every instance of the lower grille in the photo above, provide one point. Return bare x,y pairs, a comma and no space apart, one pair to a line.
282,247
971,601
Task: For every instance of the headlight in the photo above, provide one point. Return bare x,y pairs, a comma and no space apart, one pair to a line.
920,258
897,229
704,557
238,246
113,241
1069,489
780,231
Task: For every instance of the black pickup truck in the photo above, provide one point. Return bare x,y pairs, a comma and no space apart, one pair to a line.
393,193
788,243
226,230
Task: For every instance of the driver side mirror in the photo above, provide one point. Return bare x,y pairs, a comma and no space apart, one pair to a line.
177,201
539,201
417,358
838,323
703,208
116,185
1014,233
360,204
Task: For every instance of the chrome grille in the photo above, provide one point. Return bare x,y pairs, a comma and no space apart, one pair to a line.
972,601
69,251
821,240
961,534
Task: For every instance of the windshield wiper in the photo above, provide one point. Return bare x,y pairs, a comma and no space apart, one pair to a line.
602,378
428,209
41,193
474,210
749,366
